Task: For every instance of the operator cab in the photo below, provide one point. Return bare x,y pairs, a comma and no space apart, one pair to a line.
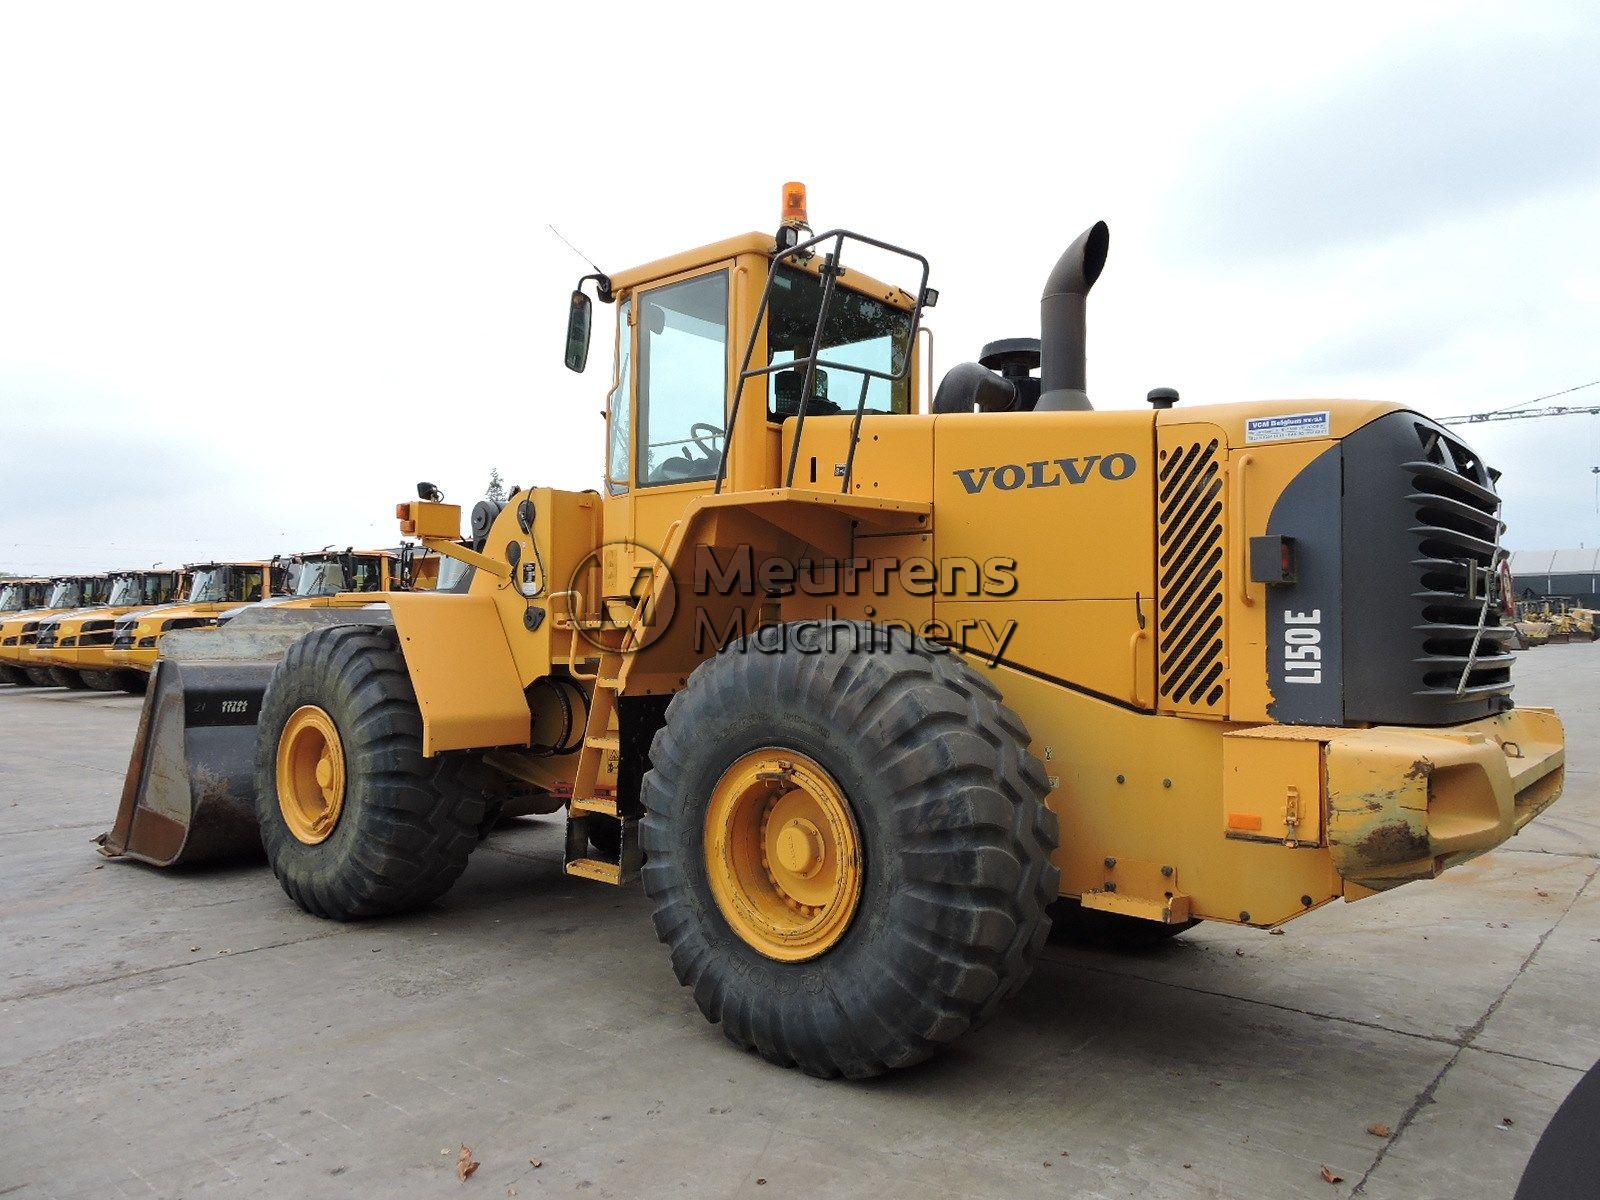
134,589
22,594
329,574
775,327
234,583
82,591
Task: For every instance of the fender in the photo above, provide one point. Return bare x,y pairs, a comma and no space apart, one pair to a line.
463,671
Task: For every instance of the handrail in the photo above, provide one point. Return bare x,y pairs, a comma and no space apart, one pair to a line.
830,271
1241,523
571,620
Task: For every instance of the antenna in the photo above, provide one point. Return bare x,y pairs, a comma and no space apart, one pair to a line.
573,248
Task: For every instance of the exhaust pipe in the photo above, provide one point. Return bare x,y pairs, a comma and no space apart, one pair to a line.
1061,320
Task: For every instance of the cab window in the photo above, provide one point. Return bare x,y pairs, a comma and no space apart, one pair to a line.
860,332
683,380
619,405
368,574
245,584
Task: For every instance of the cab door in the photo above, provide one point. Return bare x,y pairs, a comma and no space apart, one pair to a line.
675,351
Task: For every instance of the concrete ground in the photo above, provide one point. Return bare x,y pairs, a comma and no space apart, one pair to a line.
179,1033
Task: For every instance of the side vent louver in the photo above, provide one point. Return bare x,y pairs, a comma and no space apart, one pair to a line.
1191,613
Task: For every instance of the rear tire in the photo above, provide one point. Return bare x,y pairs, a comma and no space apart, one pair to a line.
1076,925
406,823
101,681
40,676
948,811
68,678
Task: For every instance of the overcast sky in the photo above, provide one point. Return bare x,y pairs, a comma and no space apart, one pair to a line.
262,268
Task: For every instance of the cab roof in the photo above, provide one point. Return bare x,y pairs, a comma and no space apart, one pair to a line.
763,244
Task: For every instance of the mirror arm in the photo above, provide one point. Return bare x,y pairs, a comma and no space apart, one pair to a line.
602,287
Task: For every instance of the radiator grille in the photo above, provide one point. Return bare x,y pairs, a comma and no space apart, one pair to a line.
1190,601
1456,515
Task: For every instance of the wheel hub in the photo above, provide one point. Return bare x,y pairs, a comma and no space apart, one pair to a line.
800,849
782,854
310,774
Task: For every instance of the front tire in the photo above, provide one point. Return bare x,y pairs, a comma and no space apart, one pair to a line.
355,821
943,913
68,678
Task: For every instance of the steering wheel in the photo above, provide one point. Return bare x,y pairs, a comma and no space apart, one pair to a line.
700,432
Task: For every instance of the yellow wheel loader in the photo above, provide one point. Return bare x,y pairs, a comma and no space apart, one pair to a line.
871,689
18,596
19,635
76,646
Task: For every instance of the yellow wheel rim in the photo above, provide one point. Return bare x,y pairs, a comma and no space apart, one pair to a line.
782,854
310,774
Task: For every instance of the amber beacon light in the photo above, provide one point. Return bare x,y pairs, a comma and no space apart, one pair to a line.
794,204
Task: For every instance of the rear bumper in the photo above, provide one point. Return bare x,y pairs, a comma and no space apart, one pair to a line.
1406,804
1396,803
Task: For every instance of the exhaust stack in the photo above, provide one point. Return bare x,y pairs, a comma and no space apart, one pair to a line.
1061,320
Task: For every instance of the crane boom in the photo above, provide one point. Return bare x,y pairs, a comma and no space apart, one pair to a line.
1552,410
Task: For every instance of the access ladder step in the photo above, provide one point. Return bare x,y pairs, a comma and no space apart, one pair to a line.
601,806
596,869
583,856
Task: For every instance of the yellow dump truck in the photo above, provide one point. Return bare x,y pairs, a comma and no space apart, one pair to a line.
213,588
75,646
17,596
868,685
19,634
350,578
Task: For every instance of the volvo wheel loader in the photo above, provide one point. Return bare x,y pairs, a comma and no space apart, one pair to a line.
19,636
868,689
18,596
76,646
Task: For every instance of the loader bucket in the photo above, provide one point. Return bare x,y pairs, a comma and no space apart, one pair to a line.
189,795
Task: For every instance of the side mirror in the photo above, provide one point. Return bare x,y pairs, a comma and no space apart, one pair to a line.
579,318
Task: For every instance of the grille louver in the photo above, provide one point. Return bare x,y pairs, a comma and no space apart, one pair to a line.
1190,600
